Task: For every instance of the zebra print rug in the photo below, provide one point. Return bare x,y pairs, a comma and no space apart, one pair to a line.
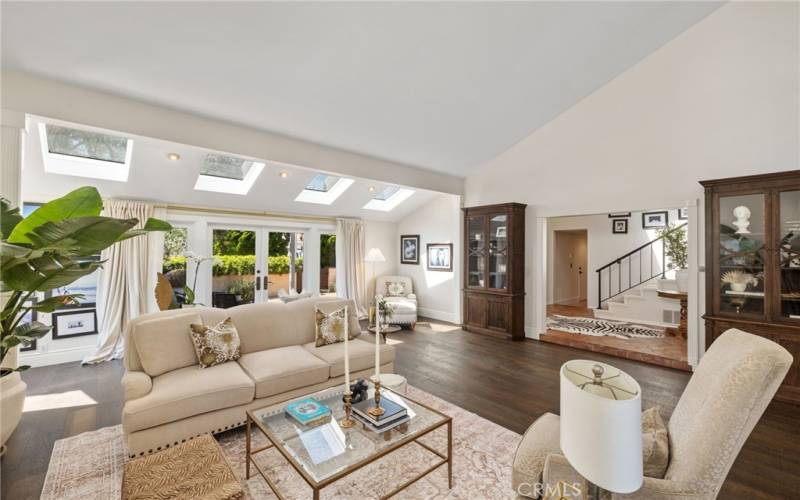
602,327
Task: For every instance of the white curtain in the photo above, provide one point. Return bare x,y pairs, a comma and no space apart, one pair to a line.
350,253
122,283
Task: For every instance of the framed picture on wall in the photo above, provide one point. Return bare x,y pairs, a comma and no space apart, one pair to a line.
409,249
683,213
74,323
440,257
619,226
619,215
655,220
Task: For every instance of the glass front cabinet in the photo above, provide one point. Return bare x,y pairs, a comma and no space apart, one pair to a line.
753,262
494,256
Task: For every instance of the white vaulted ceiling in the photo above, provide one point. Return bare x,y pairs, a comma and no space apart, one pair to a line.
442,86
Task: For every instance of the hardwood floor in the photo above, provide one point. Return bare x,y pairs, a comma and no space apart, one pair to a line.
510,383
669,351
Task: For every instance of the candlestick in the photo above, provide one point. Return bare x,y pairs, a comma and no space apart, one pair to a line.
347,422
346,353
376,411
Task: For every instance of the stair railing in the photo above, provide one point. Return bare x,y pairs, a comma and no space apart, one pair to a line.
645,274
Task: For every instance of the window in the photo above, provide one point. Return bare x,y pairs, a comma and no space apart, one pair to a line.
388,198
327,264
174,264
228,174
85,153
324,189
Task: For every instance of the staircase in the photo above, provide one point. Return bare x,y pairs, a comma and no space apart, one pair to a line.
628,287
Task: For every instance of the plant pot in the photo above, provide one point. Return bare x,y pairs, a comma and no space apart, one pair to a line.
682,280
12,397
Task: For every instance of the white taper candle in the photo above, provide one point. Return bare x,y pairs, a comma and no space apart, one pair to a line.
346,354
377,338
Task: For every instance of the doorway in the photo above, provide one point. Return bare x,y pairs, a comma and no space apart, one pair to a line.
570,259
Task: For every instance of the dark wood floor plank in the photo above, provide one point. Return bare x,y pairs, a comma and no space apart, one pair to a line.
509,383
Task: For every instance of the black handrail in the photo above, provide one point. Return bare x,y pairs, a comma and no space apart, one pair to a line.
629,255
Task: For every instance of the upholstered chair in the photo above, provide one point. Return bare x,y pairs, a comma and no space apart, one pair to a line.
399,292
726,396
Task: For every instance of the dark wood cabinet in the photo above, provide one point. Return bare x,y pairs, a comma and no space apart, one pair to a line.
753,262
494,266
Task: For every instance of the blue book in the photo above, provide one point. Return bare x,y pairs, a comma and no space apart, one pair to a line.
307,411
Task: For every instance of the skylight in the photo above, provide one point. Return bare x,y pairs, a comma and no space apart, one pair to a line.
227,174
324,189
323,183
85,153
388,198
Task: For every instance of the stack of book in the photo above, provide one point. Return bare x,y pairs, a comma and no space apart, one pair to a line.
393,415
309,412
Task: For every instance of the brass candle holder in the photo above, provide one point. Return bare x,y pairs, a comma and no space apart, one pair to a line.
347,422
376,411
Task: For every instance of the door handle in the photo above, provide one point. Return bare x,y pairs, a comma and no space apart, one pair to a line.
258,280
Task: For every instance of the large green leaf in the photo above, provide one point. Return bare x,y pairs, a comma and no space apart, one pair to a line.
9,217
46,273
50,304
81,236
32,330
83,202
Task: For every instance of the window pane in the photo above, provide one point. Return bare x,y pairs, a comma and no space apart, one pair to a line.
234,276
84,144
227,167
327,264
322,182
386,193
285,265
789,244
174,263
741,254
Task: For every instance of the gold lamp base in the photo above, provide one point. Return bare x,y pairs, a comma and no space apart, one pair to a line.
376,411
347,422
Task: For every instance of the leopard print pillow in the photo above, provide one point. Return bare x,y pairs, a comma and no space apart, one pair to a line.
216,344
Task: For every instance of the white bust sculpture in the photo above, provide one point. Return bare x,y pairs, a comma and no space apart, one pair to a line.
742,222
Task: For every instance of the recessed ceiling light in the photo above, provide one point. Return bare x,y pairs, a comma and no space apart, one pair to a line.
173,156
372,189
284,175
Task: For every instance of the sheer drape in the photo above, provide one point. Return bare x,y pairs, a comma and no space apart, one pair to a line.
122,283
350,255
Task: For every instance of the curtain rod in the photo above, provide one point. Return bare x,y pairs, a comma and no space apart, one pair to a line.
249,213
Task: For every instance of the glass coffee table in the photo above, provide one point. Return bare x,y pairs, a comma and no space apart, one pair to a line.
328,452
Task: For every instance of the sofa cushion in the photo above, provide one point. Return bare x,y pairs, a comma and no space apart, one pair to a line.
264,326
164,344
402,305
186,392
362,355
275,371
540,440
217,344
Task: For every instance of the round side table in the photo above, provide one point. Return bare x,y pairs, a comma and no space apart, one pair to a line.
395,382
386,329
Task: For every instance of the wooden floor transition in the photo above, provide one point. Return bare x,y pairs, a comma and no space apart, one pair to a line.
668,351
510,383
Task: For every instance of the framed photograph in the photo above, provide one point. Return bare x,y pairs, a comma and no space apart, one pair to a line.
409,249
655,220
683,213
619,215
619,226
440,257
501,232
74,323
29,317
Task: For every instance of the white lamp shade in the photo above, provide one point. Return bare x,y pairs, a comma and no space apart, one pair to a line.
374,255
601,436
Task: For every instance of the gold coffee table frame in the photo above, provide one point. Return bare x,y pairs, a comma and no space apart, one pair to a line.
317,486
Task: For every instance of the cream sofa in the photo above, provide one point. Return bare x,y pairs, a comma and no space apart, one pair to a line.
168,398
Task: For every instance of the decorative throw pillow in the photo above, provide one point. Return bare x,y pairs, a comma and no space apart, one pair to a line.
216,344
330,327
395,289
655,444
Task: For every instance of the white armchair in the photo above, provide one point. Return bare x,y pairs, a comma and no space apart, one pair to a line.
399,292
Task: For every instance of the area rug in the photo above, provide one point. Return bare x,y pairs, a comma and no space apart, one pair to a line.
602,327
90,465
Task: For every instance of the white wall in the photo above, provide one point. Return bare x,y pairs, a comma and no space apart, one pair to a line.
719,100
438,293
380,235
604,246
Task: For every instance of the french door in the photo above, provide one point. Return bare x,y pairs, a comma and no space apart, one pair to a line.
253,264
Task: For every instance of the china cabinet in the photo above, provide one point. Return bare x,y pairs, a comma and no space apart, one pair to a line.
494,281
753,262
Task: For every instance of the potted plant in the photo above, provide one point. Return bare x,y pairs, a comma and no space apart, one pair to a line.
386,311
47,249
674,240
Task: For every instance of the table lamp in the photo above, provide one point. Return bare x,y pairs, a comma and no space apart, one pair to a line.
601,426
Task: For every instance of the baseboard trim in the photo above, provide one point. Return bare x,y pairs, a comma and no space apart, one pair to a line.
440,315
55,357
